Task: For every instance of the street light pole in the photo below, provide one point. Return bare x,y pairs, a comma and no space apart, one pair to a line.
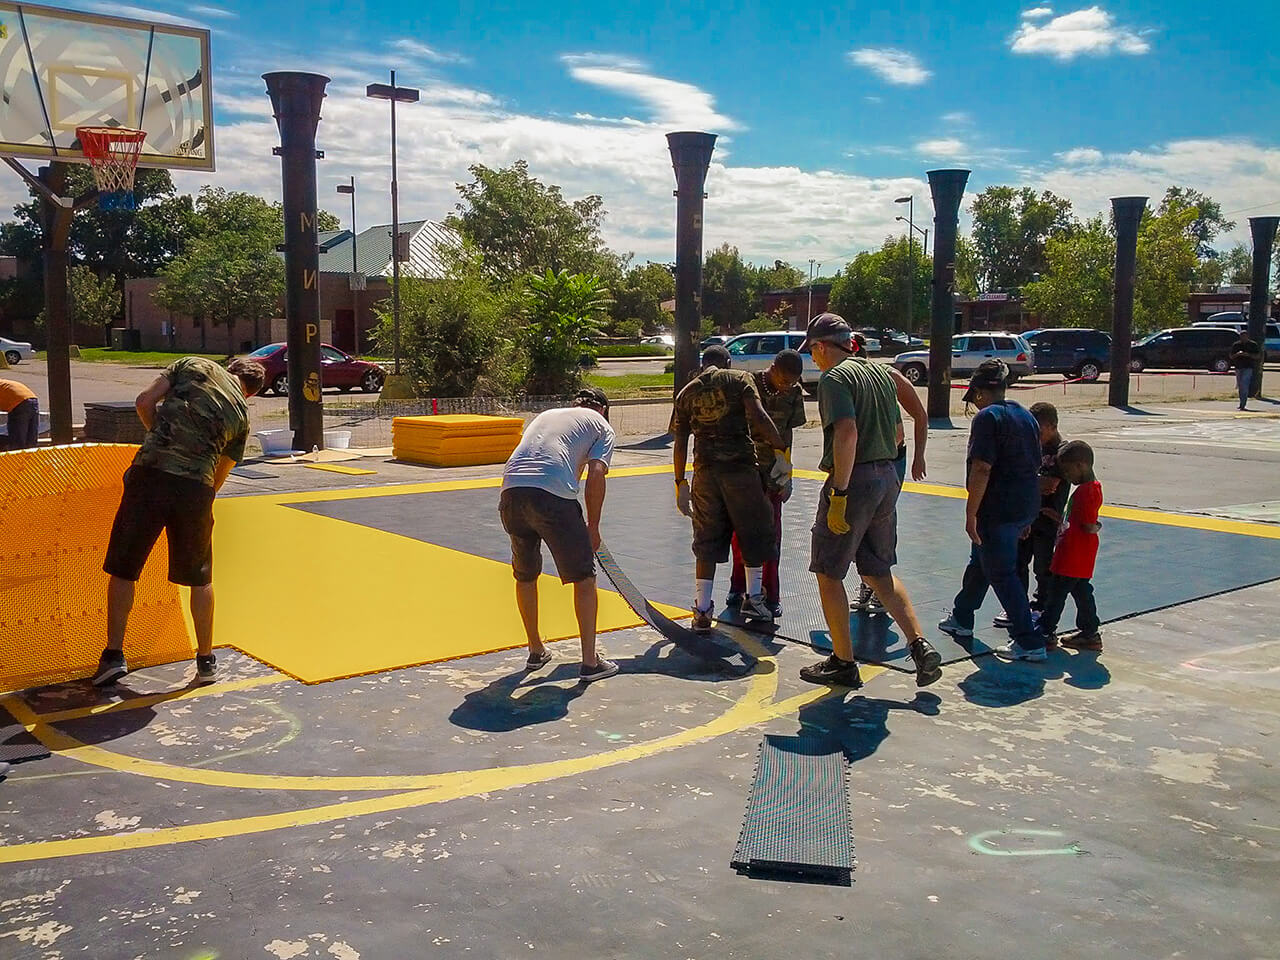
911,259
351,281
808,311
380,91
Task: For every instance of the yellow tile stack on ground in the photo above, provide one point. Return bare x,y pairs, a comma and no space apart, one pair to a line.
455,439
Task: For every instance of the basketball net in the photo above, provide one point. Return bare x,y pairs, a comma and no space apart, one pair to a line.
113,154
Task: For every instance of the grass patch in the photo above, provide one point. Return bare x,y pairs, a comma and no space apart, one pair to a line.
634,350
634,385
139,358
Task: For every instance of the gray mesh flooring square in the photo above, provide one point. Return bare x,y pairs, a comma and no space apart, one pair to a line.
1141,566
797,820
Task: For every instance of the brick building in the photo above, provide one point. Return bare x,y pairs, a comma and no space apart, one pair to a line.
347,298
794,305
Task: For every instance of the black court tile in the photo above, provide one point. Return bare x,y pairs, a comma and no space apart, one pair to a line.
1141,566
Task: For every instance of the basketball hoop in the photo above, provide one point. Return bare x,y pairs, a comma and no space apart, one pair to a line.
113,154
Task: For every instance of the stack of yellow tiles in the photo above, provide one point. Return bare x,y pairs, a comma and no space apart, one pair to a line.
455,439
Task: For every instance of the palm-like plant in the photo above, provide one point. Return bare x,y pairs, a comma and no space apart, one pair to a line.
561,311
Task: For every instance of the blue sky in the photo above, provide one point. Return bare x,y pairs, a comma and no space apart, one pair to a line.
825,112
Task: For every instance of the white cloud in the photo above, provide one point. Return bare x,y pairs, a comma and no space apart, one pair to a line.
942,147
1037,13
217,12
145,13
1080,155
420,51
1091,31
892,66
957,118
670,102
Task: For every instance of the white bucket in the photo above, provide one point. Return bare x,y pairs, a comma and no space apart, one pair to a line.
275,442
337,439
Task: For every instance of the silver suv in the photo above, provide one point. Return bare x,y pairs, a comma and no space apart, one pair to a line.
755,351
970,349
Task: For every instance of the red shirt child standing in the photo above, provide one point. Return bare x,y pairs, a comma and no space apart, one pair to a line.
1076,552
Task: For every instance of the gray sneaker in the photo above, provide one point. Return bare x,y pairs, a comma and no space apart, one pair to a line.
1015,651
111,667
955,628
756,607
603,668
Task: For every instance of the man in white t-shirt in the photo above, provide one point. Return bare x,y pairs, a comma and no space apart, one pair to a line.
539,503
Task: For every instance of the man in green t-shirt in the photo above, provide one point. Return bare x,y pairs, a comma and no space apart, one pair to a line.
197,423
857,521
720,407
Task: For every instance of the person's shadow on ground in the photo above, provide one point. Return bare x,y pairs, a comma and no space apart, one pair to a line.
859,723
997,683
1083,669
520,699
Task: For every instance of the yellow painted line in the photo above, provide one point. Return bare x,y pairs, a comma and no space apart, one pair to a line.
339,468
1244,528
151,700
755,707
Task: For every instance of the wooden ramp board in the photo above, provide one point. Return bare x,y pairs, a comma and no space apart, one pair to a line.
797,825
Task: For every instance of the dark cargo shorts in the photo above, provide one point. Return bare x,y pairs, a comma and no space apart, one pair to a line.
872,515
156,501
729,498
531,517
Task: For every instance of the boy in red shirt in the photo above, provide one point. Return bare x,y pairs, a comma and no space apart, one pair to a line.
1076,551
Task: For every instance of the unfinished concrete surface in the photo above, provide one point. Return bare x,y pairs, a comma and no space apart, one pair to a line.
1120,804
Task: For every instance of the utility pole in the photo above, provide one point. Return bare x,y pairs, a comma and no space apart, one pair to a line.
910,201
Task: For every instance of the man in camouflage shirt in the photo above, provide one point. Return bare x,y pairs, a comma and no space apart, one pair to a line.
720,407
197,423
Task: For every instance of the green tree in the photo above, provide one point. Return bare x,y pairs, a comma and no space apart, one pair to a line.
1237,265
726,289
967,269
780,276
1011,226
1207,221
230,271
522,226
561,312
1166,268
638,297
456,337
1075,288
91,302
872,289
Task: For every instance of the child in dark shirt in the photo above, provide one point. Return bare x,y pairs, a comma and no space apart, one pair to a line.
1074,556
1035,550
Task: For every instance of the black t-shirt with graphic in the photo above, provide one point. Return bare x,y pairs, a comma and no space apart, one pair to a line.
712,407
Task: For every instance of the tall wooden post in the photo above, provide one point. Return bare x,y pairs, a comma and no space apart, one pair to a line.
295,100
947,187
1126,212
1263,231
690,156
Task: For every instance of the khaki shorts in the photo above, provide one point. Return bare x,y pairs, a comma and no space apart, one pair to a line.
531,517
872,515
728,499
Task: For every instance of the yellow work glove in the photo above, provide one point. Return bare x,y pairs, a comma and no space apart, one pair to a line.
836,522
682,498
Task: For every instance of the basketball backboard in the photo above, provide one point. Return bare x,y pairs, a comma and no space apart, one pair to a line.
61,69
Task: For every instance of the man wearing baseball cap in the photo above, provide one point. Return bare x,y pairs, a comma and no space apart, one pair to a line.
1003,479
539,503
857,521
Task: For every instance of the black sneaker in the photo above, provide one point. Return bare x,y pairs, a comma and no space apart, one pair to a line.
733,600
928,663
603,668
833,672
775,608
111,667
537,661
206,668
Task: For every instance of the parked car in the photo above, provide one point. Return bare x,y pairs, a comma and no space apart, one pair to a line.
337,369
1075,353
1184,347
1272,344
15,351
715,340
661,339
891,340
970,349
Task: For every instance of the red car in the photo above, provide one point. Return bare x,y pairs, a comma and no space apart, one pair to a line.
337,369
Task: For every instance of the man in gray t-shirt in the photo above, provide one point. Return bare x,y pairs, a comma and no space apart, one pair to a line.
539,503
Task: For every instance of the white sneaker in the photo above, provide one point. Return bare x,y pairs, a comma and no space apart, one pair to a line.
951,626
756,607
1012,651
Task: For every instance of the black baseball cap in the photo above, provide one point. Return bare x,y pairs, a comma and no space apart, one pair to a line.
829,327
990,375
